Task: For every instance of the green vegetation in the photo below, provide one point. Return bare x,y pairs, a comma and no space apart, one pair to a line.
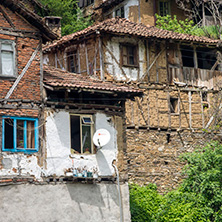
187,26
72,18
199,197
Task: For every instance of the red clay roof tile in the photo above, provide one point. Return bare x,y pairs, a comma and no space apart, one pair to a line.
124,26
59,78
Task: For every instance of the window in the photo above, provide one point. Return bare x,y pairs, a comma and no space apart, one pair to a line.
81,134
120,12
187,56
174,105
89,2
7,58
129,55
164,7
19,134
72,61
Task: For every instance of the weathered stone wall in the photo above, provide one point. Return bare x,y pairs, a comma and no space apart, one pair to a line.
153,156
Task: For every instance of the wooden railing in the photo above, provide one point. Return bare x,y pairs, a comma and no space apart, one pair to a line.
196,77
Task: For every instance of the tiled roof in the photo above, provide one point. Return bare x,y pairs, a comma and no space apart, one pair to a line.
123,26
55,77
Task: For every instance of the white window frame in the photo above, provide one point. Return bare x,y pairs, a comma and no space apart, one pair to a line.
81,116
12,43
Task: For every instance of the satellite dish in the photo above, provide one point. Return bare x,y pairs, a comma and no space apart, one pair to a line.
101,137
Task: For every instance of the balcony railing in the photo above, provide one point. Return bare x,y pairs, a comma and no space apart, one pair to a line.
196,77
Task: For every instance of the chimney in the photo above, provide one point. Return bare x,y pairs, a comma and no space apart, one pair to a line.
54,23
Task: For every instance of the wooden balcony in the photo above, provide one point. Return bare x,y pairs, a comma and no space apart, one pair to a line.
196,77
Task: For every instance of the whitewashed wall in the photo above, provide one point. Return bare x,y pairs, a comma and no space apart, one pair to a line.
20,164
132,73
58,144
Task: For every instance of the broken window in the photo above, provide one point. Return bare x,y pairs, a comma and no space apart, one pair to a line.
72,61
81,134
7,60
206,58
187,56
19,134
129,55
174,105
164,7
120,12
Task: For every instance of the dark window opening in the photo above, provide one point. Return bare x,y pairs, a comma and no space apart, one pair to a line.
164,8
187,56
173,105
168,138
120,12
72,61
204,96
129,55
9,134
81,134
206,58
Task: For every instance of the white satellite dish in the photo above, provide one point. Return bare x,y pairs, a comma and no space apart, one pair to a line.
101,137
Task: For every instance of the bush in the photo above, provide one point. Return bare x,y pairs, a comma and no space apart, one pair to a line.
199,198
187,26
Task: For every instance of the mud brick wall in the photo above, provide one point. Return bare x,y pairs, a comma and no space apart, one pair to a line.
153,156
154,109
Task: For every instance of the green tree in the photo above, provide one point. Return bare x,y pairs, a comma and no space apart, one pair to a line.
72,18
187,26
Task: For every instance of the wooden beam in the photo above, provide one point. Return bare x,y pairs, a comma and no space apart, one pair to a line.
23,71
101,59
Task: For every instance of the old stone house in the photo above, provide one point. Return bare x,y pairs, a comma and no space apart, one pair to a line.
180,76
139,11
49,168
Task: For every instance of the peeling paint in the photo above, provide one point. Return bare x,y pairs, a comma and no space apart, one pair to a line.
58,143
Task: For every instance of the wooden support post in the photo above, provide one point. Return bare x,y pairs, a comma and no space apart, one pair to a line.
148,60
179,111
148,109
190,109
157,109
101,59
169,111
132,113
87,61
202,109
157,71
79,63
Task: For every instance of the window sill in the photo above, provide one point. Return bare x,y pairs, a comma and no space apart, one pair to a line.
131,66
174,114
8,77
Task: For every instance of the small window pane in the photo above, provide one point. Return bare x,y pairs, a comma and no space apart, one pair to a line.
9,134
86,138
7,63
30,134
20,134
131,60
86,120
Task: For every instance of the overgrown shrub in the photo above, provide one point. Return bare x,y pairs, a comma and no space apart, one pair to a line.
198,199
187,26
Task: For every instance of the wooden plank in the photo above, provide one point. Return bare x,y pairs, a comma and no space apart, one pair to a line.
101,59
87,60
190,109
